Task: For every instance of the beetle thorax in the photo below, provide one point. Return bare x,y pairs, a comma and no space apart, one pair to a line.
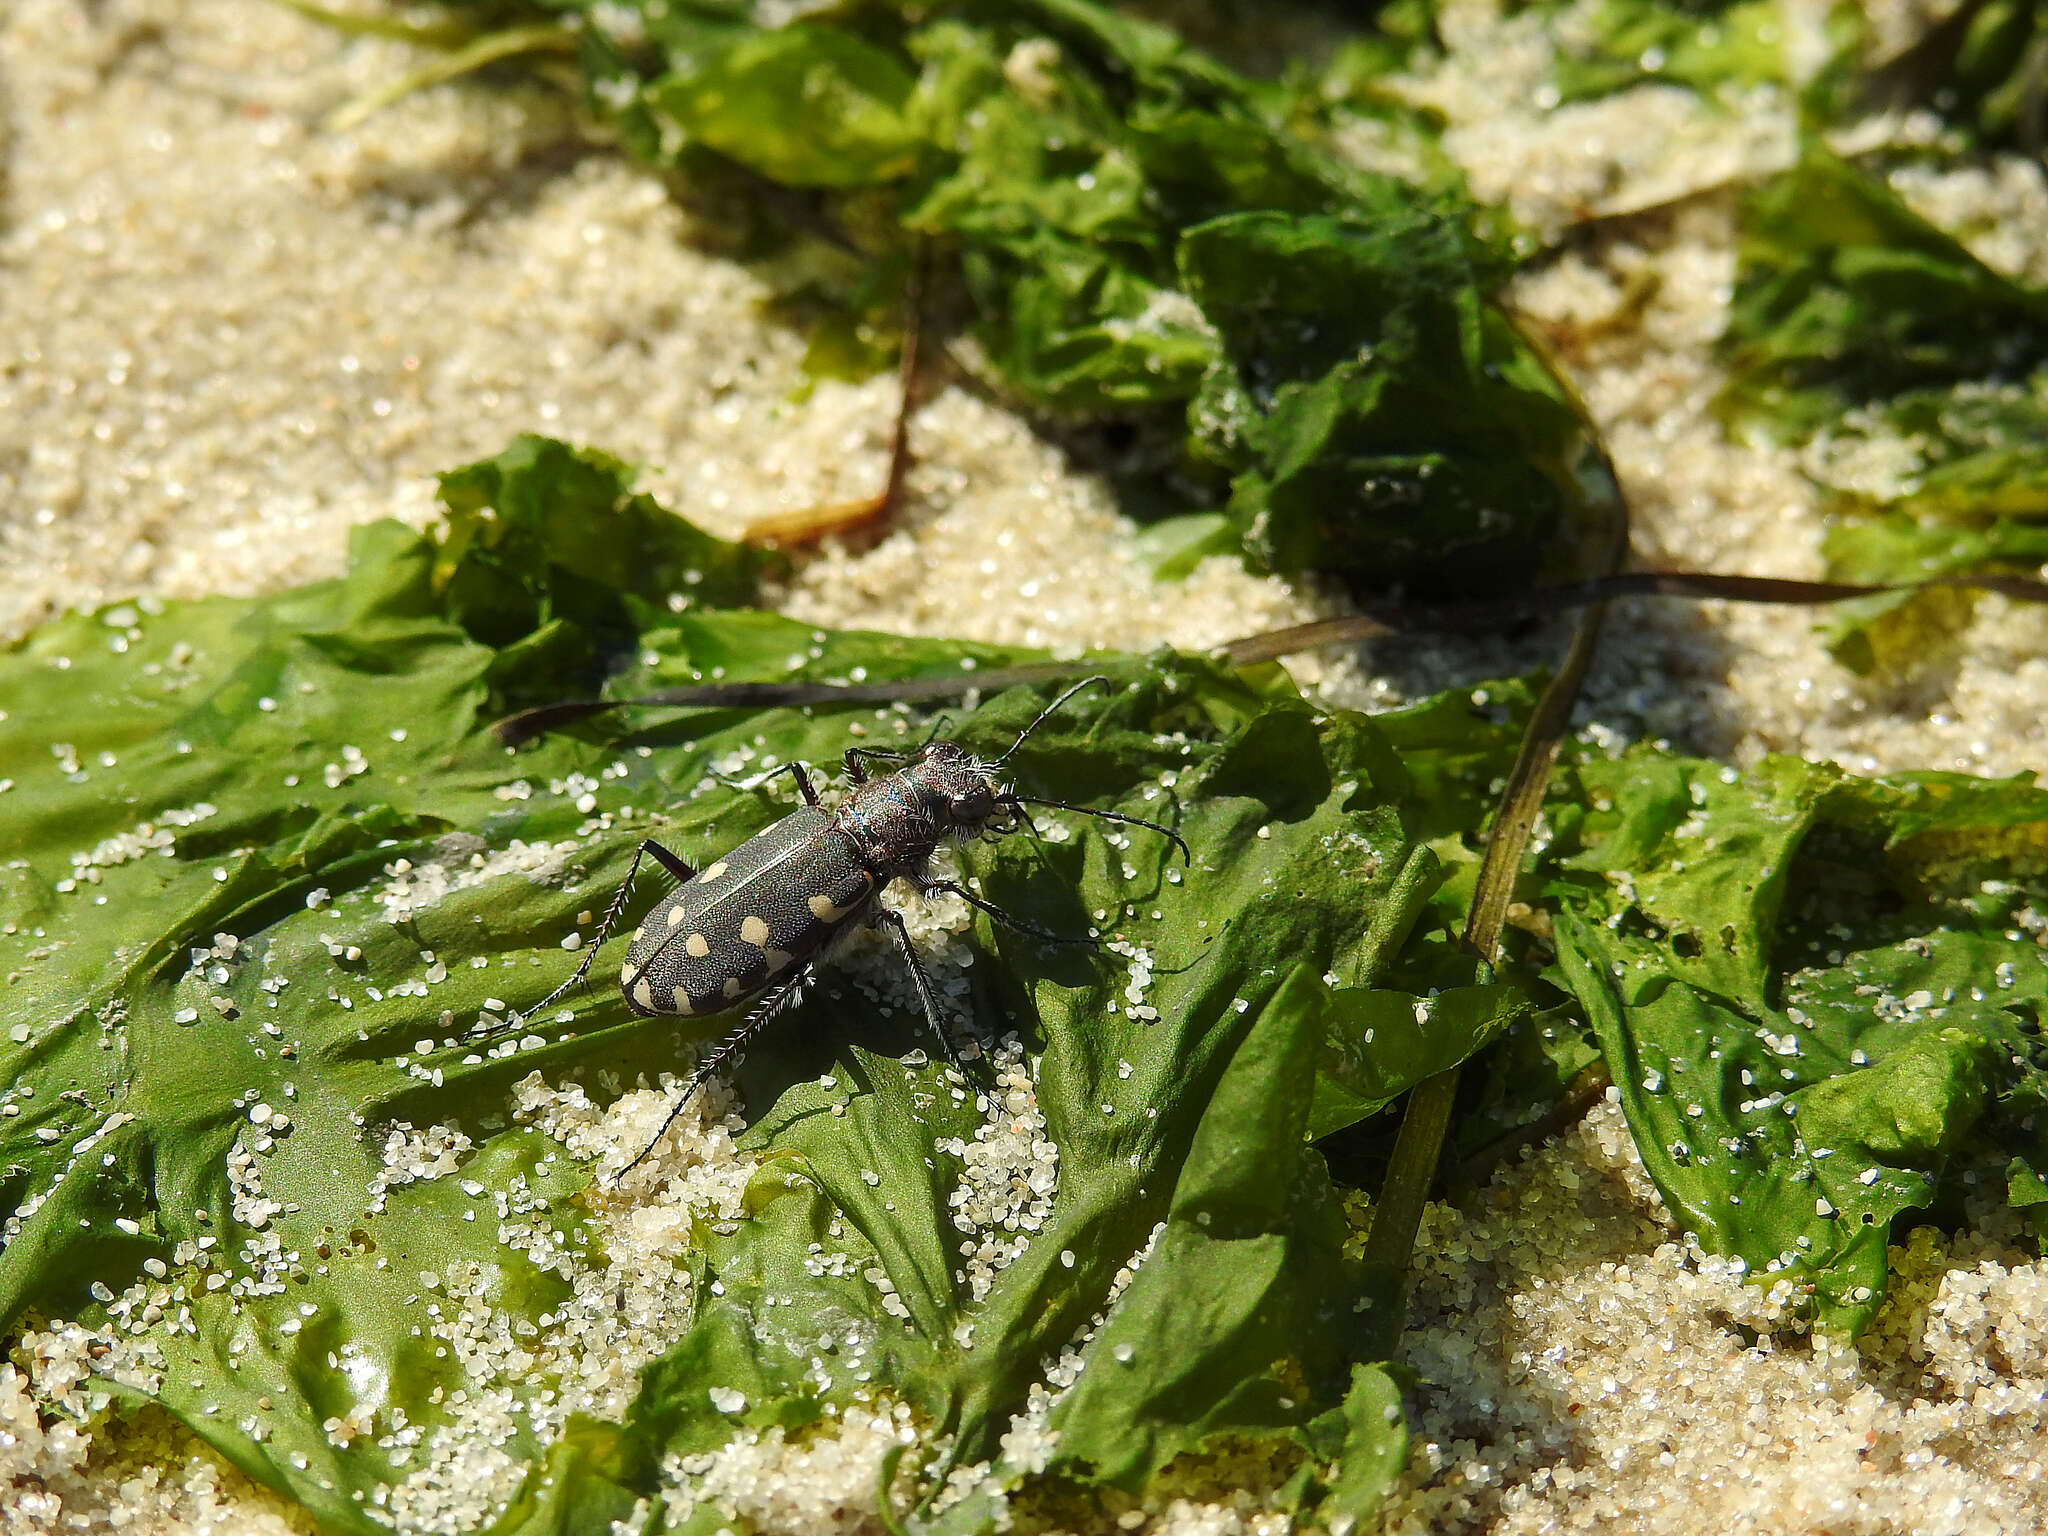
900,819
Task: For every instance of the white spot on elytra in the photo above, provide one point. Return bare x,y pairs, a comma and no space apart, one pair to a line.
712,873
682,1001
675,917
755,932
643,994
697,945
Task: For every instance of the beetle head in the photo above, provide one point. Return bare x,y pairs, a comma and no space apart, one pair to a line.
963,786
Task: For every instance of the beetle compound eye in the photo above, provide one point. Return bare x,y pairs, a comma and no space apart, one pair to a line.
974,804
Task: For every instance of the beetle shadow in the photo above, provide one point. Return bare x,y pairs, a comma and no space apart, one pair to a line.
815,1039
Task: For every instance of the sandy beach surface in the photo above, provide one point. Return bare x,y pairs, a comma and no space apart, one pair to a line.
228,335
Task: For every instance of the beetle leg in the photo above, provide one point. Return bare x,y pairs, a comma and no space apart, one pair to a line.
893,921
777,1001
857,760
668,861
1010,920
794,770
856,757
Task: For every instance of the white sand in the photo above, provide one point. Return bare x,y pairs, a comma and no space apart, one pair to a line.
228,336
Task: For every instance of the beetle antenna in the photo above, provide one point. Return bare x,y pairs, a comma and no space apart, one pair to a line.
1130,821
1047,713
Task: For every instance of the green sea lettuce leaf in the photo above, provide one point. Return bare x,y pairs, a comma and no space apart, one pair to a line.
550,556
1845,297
1381,419
1150,240
1817,995
1712,48
1930,483
1194,1245
852,123
272,874
1917,373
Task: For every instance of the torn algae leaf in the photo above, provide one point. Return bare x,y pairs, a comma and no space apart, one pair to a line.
1920,370
1078,172
1900,629
1811,997
234,759
1381,420
1933,482
1847,297
259,770
1362,97
1716,49
2027,1192
302,790
1976,451
1086,146
548,550
734,89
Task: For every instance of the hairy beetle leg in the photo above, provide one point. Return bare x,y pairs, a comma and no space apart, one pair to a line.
668,861
1009,920
933,1016
773,1005
759,781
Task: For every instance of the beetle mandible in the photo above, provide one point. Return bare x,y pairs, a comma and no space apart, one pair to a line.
753,924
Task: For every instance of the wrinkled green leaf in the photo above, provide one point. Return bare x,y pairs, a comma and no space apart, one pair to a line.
1182,1156
272,870
1976,451
1897,629
1712,48
1174,546
1916,364
1810,996
1381,419
1845,296
1147,236
1930,483
809,106
552,558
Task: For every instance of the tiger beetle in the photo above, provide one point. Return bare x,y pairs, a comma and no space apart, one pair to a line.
752,926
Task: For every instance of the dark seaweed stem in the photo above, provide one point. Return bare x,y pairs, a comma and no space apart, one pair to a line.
1537,602
1418,1146
1411,1172
1372,623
